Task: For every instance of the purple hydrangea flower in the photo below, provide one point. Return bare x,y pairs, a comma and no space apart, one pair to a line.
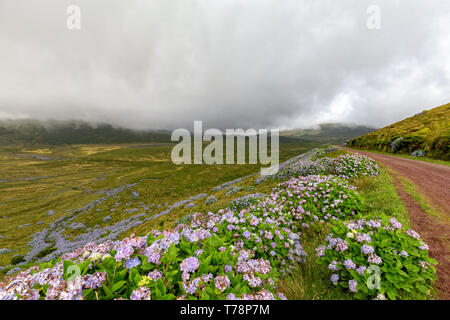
361,270
333,266
94,281
349,264
352,285
231,296
189,264
334,278
155,275
207,277
132,263
363,237
320,251
222,282
413,234
403,253
373,258
141,293
253,281
365,249
395,223
192,286
341,245
281,296
124,252
153,255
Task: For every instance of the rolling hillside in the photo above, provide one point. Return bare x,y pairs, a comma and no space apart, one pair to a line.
35,132
424,134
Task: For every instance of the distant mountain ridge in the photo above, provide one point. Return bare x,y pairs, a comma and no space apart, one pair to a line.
335,133
55,132
424,134
52,132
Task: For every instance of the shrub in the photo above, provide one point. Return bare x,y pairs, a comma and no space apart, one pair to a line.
377,259
263,236
210,200
354,166
346,166
187,264
418,153
245,201
306,200
17,259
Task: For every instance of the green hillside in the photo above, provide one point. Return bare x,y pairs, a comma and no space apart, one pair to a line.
424,134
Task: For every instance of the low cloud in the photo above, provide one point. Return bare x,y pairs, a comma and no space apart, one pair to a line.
253,63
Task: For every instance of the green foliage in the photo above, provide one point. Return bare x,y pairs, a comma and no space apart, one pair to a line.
384,260
121,282
317,199
17,259
45,252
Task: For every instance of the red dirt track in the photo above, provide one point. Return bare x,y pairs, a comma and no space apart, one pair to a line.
433,181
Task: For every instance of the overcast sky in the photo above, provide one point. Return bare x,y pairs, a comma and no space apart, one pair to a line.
231,63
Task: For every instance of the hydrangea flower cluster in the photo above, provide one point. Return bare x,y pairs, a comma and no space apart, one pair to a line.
307,200
380,259
263,234
150,267
354,165
345,166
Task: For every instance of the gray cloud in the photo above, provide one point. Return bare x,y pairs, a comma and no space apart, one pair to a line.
231,63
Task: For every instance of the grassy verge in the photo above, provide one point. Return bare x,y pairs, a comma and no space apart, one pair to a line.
422,200
379,196
310,281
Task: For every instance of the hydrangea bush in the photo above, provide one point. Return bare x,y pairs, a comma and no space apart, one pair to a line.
346,166
354,166
307,200
376,258
246,201
185,264
265,237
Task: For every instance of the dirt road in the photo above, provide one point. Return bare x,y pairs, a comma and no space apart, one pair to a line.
433,181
